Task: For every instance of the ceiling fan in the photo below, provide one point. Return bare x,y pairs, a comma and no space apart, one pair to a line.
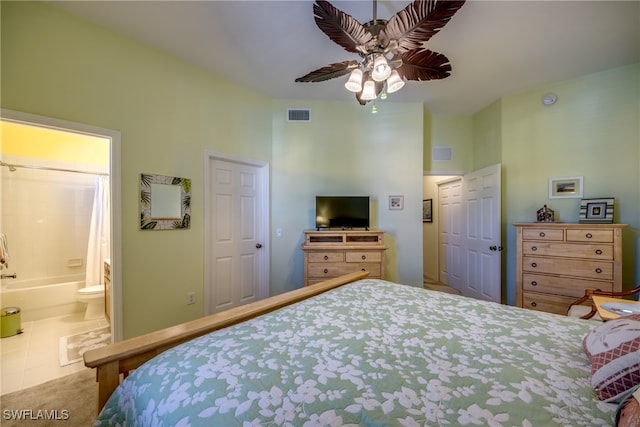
390,51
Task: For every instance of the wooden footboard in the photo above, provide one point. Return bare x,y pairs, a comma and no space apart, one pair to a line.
115,361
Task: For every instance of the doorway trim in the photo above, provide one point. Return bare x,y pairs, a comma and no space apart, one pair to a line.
115,183
264,272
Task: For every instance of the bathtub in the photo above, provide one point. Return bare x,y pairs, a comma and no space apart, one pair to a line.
39,300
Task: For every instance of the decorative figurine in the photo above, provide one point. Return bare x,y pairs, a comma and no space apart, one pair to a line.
545,214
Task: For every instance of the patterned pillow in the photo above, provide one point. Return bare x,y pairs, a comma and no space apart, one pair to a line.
614,351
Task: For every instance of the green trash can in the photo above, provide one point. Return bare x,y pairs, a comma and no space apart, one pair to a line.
10,323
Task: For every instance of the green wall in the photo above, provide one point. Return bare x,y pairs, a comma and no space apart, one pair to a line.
592,131
455,132
346,150
168,113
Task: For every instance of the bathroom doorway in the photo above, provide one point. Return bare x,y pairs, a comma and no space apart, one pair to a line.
51,170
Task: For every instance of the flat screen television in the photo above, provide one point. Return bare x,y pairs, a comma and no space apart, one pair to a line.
342,212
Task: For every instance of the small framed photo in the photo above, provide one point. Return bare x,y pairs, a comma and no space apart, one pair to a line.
427,206
566,187
596,211
396,203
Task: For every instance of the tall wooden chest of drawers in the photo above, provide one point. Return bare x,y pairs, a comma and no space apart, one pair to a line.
556,262
330,254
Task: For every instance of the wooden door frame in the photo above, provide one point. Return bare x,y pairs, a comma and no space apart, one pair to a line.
263,212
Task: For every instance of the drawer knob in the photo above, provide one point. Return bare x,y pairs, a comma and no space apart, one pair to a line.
542,234
534,248
534,283
326,257
598,270
364,257
534,265
598,252
589,235
533,304
364,269
326,271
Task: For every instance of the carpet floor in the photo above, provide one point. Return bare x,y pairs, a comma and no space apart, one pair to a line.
67,401
436,286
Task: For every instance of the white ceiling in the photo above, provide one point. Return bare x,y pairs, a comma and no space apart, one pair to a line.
496,48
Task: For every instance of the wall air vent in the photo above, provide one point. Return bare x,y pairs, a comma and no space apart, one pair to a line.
441,153
298,115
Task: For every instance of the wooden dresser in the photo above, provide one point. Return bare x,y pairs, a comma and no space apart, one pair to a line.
330,254
556,262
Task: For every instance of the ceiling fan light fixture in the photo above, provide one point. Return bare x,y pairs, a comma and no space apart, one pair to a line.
368,91
384,46
394,82
381,70
354,84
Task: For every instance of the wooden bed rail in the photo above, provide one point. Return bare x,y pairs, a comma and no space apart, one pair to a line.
124,356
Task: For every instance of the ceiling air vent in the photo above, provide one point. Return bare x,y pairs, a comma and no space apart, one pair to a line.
299,115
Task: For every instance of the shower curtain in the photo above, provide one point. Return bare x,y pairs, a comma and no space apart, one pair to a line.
99,247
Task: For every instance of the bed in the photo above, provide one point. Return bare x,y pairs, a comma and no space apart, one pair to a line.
357,351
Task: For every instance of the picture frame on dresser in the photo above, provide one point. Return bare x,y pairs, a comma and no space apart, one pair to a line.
596,211
569,187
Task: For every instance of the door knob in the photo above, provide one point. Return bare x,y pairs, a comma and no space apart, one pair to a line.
258,245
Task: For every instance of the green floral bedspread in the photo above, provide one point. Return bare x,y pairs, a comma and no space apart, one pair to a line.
372,353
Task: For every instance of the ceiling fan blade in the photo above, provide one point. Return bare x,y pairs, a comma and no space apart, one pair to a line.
423,64
341,27
418,22
328,72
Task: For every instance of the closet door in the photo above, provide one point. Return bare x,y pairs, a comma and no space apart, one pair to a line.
236,250
450,236
470,234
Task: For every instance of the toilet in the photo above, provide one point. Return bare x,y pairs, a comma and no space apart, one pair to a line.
93,296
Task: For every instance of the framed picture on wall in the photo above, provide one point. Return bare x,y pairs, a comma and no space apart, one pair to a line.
396,203
427,206
565,188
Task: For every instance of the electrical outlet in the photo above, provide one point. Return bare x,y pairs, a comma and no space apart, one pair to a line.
191,298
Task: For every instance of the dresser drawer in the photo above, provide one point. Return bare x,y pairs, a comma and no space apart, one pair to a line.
326,257
338,269
590,235
568,250
545,302
363,256
543,234
600,270
561,285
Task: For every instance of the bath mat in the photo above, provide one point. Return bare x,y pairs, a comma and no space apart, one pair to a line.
72,347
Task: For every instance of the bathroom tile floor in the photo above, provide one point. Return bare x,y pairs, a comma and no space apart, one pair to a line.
32,358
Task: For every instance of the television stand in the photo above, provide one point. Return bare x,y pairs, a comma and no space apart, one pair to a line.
331,253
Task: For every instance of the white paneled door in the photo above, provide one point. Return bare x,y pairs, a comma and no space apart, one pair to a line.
483,234
450,237
236,223
470,235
